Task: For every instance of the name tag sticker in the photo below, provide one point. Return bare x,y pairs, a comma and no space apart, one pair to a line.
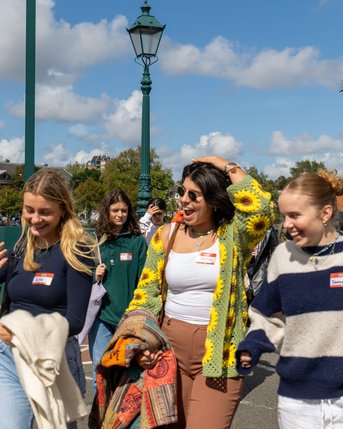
44,279
206,258
336,280
125,257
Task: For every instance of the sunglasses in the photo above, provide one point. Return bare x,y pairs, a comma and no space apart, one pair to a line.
191,194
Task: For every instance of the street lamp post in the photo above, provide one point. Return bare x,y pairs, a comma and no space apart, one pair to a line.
145,35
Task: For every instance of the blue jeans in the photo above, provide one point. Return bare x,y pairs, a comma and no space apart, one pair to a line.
15,408
98,338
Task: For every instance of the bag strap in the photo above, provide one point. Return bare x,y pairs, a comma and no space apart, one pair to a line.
164,285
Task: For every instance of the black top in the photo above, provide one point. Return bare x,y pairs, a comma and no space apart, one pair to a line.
54,287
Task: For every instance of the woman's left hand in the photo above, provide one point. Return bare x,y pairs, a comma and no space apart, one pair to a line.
5,335
148,359
217,161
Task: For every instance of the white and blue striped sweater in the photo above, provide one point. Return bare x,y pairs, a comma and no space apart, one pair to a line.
299,312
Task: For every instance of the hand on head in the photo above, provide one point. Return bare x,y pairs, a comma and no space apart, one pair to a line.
217,161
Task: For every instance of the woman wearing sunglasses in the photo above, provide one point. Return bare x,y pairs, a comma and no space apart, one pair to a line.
225,213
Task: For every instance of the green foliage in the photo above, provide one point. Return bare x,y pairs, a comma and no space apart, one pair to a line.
10,201
87,196
306,166
80,174
123,172
18,177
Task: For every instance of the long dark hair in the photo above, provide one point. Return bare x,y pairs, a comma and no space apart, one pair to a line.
213,183
104,226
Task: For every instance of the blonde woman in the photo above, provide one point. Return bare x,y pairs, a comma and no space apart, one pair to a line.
51,272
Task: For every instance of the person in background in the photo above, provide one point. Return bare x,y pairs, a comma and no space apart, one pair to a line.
299,309
153,218
53,274
203,259
123,253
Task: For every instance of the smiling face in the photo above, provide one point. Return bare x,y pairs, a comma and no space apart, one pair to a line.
304,221
198,213
43,217
118,213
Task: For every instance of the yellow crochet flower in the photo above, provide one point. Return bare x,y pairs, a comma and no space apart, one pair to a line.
220,231
156,242
222,253
258,188
232,355
147,277
257,225
229,353
213,320
160,267
230,321
234,256
247,201
209,349
139,298
219,288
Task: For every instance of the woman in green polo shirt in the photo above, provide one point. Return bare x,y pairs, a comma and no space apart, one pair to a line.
123,253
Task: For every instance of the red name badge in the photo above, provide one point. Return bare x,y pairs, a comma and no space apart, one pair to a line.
336,280
44,279
206,258
125,257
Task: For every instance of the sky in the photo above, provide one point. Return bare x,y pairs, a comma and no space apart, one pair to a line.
254,81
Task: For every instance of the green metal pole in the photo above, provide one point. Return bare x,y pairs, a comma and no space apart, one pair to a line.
29,167
144,192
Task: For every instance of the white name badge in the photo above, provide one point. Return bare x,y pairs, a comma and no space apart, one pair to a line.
44,279
125,257
206,258
336,280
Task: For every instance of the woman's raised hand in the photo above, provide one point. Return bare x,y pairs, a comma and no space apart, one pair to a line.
217,161
3,253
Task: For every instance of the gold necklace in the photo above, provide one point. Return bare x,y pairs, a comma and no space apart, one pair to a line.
200,233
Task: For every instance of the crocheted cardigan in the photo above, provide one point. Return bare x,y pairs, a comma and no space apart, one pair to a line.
228,316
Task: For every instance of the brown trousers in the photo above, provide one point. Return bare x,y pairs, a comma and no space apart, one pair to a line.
202,402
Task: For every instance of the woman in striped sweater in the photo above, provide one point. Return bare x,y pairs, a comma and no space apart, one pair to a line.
299,310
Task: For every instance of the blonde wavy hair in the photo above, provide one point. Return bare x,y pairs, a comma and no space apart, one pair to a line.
75,243
322,187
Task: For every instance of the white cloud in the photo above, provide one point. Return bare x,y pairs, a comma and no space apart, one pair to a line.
12,149
290,67
125,123
214,143
280,167
304,144
60,46
62,104
59,156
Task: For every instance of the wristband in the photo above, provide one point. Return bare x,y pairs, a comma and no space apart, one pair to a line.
231,168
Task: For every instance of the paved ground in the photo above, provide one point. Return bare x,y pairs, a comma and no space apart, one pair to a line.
257,409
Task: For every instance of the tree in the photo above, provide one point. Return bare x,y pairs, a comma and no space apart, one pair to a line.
306,166
123,172
10,201
18,177
80,174
87,196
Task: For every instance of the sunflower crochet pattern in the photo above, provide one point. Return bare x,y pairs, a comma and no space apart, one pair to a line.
254,214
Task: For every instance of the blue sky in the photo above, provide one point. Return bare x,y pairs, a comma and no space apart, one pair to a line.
254,81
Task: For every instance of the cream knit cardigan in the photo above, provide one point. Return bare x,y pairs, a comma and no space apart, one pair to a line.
38,345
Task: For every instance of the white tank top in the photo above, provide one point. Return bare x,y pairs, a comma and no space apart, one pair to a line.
192,279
